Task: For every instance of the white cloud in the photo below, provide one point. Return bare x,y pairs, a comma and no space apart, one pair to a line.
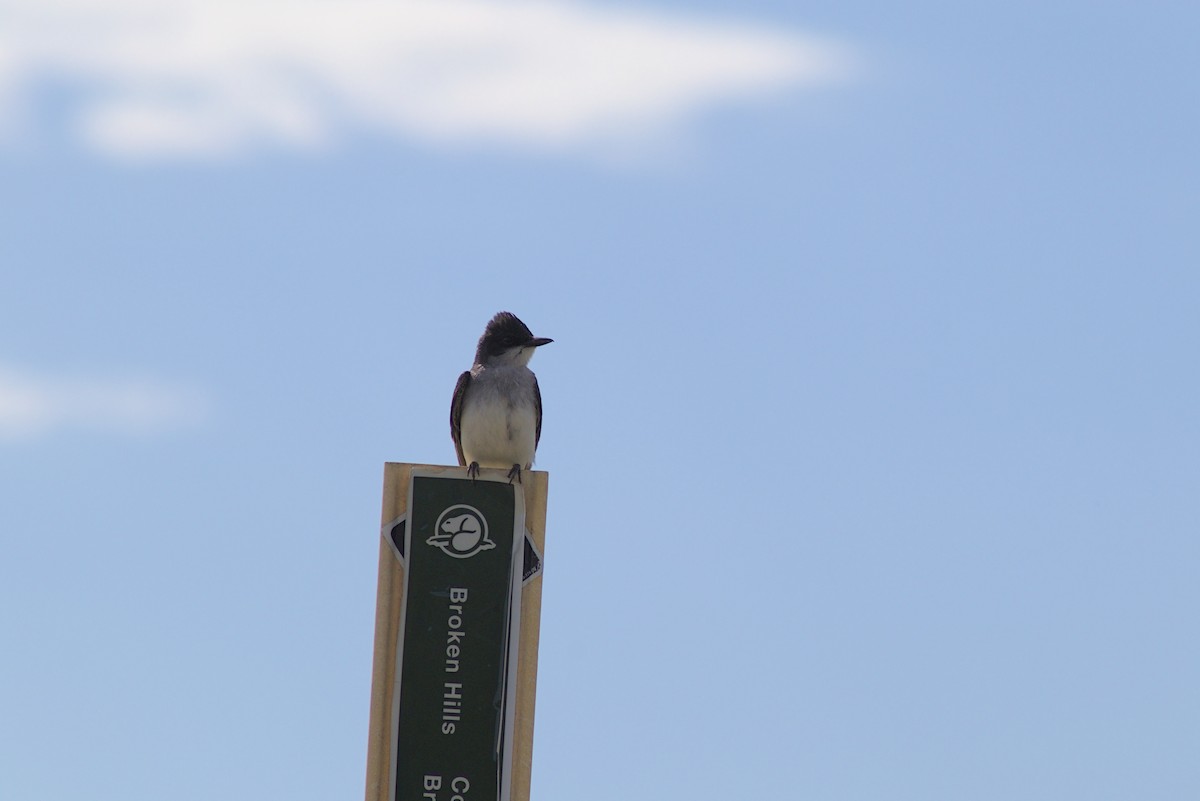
33,405
169,78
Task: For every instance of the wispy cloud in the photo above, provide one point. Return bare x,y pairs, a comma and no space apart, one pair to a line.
202,78
32,405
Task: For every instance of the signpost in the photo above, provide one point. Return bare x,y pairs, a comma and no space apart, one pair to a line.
456,635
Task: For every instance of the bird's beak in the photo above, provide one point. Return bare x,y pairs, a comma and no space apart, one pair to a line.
537,342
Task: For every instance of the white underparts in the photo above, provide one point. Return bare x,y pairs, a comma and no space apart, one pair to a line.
499,417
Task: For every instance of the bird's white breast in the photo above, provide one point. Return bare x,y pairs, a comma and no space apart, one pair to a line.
499,418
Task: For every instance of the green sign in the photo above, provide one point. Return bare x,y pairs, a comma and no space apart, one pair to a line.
464,549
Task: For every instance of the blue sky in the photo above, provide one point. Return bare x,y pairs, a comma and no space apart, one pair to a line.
871,413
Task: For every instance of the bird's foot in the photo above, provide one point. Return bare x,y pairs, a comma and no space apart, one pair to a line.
514,473
473,470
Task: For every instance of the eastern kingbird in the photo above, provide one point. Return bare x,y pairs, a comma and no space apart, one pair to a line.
496,412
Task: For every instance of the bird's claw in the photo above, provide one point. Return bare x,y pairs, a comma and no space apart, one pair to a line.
514,473
473,470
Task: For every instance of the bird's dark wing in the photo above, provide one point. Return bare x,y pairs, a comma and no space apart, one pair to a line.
456,407
537,403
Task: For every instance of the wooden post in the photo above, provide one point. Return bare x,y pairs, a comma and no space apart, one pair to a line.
389,604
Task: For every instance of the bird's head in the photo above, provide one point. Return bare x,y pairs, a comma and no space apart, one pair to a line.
507,341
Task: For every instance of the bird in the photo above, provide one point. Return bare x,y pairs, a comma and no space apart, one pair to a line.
496,410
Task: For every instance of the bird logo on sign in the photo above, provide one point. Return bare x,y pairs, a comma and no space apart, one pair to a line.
461,531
